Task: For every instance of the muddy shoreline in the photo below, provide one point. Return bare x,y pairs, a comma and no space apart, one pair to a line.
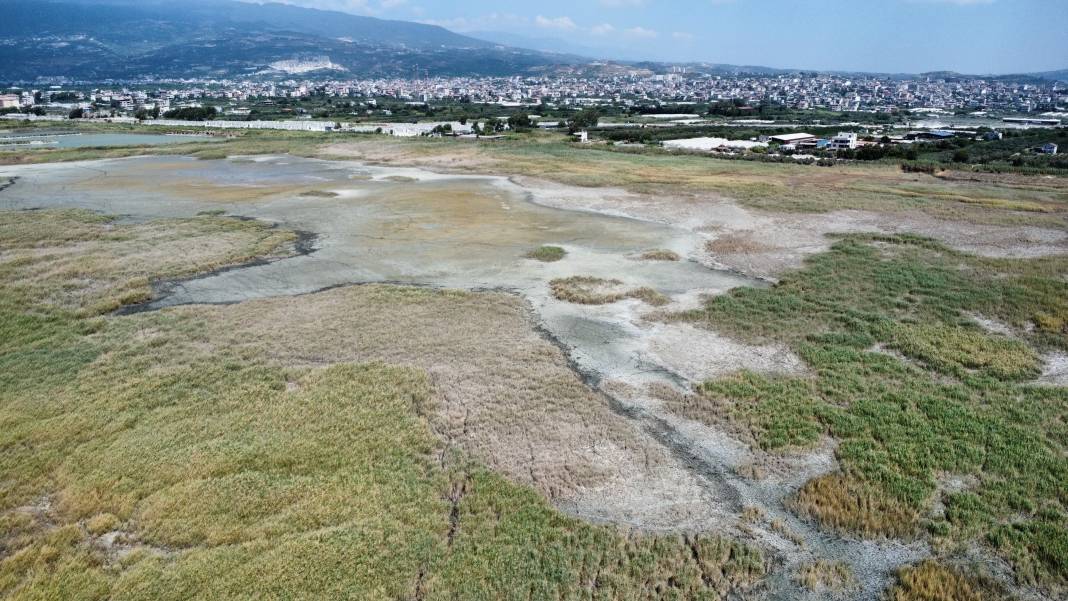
304,245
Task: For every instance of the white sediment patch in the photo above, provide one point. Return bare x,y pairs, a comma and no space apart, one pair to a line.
992,325
699,354
349,193
1054,369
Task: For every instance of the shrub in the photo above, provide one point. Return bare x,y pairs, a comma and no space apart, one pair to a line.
547,254
587,290
660,254
823,576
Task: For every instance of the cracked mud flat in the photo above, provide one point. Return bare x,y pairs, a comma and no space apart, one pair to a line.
619,457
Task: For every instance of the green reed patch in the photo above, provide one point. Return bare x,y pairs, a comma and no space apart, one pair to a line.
913,389
547,254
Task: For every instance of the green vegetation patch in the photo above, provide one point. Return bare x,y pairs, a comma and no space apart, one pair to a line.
547,254
962,351
913,388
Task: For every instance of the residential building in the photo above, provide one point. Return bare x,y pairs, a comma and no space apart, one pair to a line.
843,141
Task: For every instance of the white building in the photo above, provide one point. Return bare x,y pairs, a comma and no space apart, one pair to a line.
9,101
843,141
795,139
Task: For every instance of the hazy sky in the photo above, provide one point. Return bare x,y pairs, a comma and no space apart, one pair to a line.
975,36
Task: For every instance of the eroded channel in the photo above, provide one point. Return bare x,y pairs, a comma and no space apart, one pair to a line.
409,226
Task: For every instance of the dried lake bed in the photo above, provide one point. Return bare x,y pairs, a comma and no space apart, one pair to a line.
367,224
370,224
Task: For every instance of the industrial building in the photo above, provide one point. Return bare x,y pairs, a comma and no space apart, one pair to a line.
797,139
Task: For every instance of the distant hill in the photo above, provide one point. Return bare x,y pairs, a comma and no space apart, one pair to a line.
101,39
1044,76
1061,75
548,44
94,40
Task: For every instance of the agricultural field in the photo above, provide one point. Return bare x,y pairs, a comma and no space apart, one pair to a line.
284,365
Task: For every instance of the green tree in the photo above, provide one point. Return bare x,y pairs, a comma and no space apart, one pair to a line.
203,113
584,119
520,122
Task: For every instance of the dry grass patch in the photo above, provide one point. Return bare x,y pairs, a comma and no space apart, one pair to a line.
588,290
843,503
649,296
737,243
779,527
82,261
101,523
659,254
502,393
959,351
826,576
752,514
930,581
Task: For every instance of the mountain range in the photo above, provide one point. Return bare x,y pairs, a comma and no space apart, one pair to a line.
95,40
128,39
